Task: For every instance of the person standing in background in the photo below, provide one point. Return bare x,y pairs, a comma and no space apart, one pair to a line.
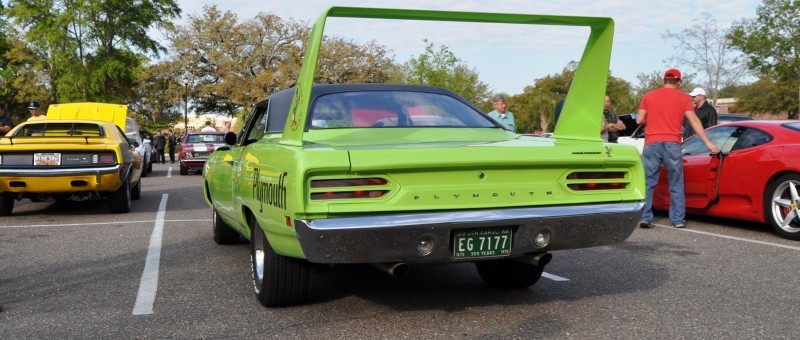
159,145
36,112
505,118
560,104
226,127
6,124
704,110
611,123
663,111
172,142
208,127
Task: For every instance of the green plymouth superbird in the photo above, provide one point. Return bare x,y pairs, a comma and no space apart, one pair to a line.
398,175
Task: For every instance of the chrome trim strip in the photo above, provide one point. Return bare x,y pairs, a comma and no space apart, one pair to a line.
59,172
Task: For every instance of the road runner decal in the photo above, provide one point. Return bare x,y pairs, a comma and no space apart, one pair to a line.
270,193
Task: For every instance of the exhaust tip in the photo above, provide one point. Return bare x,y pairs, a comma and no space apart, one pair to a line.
398,269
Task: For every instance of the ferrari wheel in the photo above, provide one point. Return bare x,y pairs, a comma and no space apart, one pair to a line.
277,280
184,170
507,274
782,205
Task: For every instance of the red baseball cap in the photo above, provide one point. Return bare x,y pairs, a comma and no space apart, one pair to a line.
672,74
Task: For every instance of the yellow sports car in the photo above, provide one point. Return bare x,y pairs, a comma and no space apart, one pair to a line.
69,158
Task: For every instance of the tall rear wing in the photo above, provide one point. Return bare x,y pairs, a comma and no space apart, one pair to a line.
581,119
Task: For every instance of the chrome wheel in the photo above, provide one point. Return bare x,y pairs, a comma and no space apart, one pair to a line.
783,210
258,244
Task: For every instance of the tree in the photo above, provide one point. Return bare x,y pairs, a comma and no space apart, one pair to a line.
232,65
770,42
768,95
442,68
90,50
22,80
655,79
705,51
534,109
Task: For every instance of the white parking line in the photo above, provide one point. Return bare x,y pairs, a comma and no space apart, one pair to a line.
169,172
554,277
96,223
731,237
149,282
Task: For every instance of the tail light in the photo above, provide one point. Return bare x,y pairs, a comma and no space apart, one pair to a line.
349,188
606,180
104,158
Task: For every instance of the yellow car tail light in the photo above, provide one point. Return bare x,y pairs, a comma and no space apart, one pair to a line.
104,158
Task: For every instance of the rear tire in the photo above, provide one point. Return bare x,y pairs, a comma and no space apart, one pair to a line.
6,205
119,201
778,202
184,169
223,234
277,280
508,274
136,192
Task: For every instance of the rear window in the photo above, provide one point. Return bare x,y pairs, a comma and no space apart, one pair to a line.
205,138
382,109
60,130
793,126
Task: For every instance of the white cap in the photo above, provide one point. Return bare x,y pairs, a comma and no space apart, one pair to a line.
697,92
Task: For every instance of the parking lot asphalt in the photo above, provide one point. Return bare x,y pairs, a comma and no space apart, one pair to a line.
73,270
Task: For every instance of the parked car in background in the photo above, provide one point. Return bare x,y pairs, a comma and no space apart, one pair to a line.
195,148
636,137
629,119
64,158
149,154
756,176
729,117
396,175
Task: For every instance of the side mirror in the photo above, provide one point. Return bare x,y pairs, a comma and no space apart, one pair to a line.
135,144
230,138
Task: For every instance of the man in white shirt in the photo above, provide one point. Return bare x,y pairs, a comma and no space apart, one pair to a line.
208,127
505,118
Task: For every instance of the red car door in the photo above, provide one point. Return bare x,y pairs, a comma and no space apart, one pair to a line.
701,175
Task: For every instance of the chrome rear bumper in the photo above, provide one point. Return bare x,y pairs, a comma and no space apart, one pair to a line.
56,172
393,238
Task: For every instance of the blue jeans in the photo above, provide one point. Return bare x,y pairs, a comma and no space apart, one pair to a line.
668,154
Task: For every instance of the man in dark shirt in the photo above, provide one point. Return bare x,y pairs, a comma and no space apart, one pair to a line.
159,144
6,124
704,110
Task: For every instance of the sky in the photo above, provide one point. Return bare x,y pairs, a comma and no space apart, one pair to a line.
510,57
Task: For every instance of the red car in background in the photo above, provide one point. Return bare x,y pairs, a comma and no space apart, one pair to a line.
756,176
195,148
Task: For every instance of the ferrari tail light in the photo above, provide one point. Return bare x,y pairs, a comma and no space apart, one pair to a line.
349,188
597,180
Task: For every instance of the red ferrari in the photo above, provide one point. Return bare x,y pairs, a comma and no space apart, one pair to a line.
754,178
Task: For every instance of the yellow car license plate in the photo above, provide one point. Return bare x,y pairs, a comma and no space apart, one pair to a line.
46,158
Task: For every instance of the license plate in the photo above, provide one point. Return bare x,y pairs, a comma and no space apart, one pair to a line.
46,158
473,243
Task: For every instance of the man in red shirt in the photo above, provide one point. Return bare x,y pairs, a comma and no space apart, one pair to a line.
663,110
